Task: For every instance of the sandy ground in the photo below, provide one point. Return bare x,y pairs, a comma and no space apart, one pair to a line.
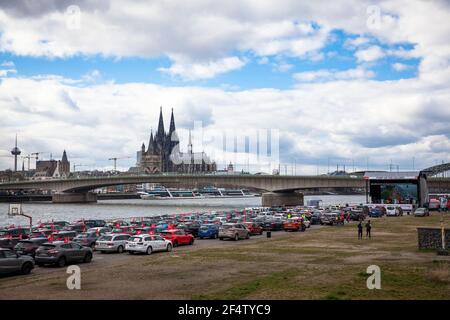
321,263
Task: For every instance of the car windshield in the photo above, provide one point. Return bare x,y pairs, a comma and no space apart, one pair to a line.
420,210
227,226
135,239
48,246
105,238
24,244
390,208
83,235
166,233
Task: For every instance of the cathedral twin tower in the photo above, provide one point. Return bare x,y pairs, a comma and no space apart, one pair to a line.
163,153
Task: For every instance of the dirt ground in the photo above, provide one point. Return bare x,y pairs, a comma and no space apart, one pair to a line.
321,263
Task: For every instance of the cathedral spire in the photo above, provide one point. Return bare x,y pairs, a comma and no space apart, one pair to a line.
172,124
151,142
64,157
160,133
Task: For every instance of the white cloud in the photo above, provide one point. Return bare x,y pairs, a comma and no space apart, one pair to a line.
189,70
330,75
400,66
282,66
370,54
8,64
351,119
356,42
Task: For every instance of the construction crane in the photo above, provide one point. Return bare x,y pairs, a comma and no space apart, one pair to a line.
115,161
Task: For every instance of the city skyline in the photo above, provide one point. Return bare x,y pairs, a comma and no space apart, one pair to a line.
364,84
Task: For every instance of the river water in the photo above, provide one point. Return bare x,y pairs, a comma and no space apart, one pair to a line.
108,209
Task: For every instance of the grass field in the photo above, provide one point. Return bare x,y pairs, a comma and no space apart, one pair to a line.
325,263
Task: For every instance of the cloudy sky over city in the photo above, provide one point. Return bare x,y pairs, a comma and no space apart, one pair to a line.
349,82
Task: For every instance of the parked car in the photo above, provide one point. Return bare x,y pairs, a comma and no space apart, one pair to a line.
272,225
114,242
294,225
375,212
254,228
77,227
99,231
41,233
11,236
234,231
124,229
60,253
12,262
142,230
93,223
29,246
209,230
393,211
178,237
306,222
329,218
357,215
15,233
63,235
315,217
86,239
192,228
147,243
421,212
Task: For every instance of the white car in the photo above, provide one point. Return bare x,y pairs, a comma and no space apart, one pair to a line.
393,211
147,243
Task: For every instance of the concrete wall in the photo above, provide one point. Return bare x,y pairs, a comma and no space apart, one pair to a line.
431,238
72,197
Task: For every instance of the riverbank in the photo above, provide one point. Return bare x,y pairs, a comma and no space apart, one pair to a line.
321,263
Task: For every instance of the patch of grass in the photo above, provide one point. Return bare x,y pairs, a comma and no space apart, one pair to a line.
275,280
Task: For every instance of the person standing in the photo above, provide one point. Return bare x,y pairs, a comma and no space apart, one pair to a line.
368,229
360,231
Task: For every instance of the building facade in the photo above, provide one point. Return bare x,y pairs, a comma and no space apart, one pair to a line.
52,168
163,153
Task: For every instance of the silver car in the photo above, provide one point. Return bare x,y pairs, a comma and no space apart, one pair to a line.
234,231
11,262
112,242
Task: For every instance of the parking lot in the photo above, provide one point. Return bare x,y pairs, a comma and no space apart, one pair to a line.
326,262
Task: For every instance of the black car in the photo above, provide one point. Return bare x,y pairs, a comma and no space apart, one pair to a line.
315,218
192,228
10,237
29,246
272,225
94,223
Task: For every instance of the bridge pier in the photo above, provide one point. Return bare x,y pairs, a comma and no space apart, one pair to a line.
280,199
74,197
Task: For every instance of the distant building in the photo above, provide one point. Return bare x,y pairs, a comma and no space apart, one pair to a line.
52,168
163,153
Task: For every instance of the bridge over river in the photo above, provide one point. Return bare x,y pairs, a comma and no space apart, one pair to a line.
278,189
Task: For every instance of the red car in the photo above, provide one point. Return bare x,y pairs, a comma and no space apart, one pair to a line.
253,228
178,237
294,225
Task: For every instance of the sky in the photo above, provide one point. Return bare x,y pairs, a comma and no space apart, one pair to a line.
358,83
